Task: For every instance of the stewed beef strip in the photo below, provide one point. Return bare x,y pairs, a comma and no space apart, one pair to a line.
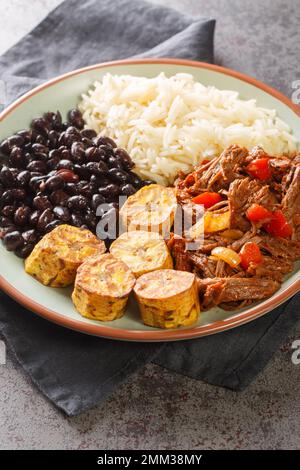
271,268
291,200
177,247
280,166
204,266
249,236
235,289
210,292
222,170
280,247
242,194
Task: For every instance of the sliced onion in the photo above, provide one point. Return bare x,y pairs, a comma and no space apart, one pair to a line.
228,255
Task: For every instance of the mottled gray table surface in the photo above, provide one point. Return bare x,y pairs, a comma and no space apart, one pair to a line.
156,409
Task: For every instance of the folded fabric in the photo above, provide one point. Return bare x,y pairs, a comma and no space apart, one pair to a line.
77,371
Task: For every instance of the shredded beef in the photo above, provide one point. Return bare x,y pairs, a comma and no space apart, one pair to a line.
291,200
177,246
242,194
234,289
271,268
223,170
280,247
219,283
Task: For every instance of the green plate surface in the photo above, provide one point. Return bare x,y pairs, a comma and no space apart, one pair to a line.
55,304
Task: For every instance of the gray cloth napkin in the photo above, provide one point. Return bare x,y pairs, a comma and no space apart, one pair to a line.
77,371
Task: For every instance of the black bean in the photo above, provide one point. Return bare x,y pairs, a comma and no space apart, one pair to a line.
107,141
53,137
6,176
24,251
146,183
34,217
40,150
81,171
124,158
49,117
65,155
41,203
26,136
53,162
134,179
100,180
77,203
54,153
7,197
35,181
40,125
78,152
44,219
22,215
114,162
17,158
23,178
72,131
57,121
27,147
65,164
67,175
77,219
4,147
52,225
90,219
127,189
85,189
13,240
62,213
97,200
120,176
8,211
15,140
59,197
87,142
75,118
71,188
61,139
111,190
97,168
37,165
88,133
55,182
6,221
94,154
30,236
41,139
109,151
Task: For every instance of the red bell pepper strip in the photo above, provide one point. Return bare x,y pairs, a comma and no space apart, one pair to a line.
278,225
207,199
250,253
258,213
260,169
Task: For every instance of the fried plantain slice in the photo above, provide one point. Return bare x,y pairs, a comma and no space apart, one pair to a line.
57,256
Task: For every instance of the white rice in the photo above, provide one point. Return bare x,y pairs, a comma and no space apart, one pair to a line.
170,124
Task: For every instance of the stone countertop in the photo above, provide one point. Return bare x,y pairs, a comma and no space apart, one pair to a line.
157,409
